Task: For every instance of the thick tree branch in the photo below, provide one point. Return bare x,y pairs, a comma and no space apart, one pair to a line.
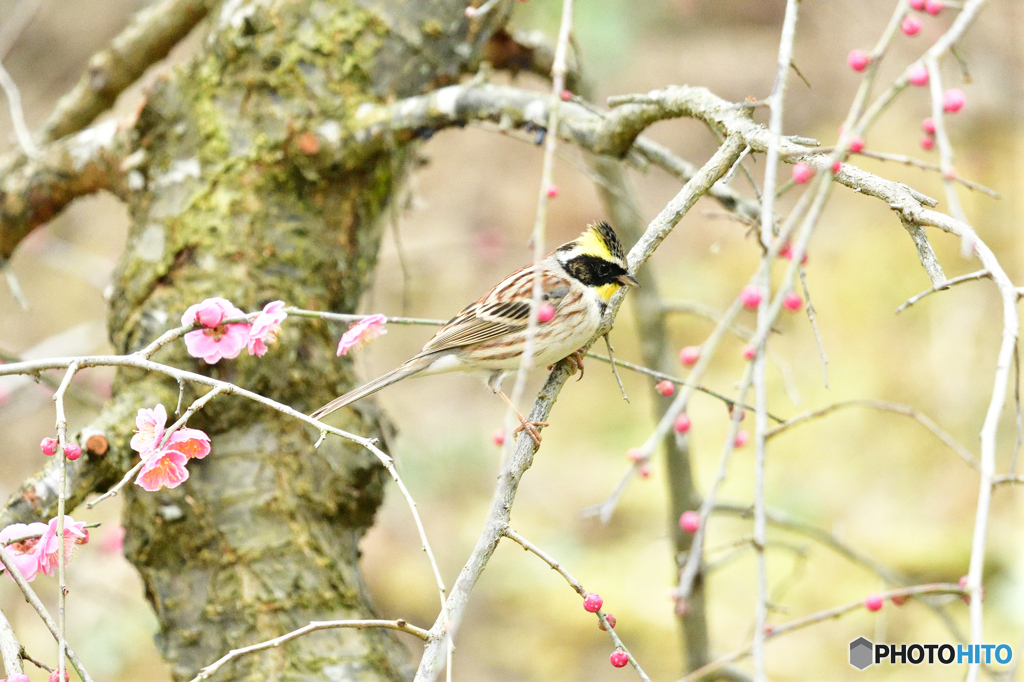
145,41
33,191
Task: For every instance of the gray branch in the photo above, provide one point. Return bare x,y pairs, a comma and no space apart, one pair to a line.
522,455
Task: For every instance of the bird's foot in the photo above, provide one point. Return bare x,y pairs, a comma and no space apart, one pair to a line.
531,428
575,361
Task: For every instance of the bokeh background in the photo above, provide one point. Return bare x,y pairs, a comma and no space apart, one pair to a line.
879,481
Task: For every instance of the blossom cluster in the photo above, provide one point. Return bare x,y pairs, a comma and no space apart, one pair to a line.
164,457
218,340
34,547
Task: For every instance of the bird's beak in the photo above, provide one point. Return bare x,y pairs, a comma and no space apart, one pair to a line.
627,280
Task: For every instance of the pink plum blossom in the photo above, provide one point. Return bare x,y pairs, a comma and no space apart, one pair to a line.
192,443
75,534
361,333
24,554
164,469
213,343
210,313
149,429
266,327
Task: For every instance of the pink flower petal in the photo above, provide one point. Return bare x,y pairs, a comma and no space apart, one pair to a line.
165,469
214,343
193,443
149,428
226,307
361,333
75,534
265,328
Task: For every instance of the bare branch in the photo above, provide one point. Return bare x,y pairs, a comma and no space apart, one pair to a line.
522,456
886,406
814,618
33,191
399,625
578,587
21,131
33,599
10,647
145,41
977,274
924,165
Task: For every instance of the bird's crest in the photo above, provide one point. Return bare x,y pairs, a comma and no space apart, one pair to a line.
599,239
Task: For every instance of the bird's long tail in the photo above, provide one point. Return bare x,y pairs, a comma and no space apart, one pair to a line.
414,365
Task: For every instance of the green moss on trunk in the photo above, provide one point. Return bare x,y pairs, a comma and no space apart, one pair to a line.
263,536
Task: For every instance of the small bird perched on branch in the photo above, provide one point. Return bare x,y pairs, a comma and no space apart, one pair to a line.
576,282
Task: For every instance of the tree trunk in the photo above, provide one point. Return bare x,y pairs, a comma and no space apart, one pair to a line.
238,203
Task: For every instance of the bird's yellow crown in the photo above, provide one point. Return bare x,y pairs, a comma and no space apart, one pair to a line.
600,240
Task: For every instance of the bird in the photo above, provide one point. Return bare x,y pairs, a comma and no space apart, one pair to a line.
577,281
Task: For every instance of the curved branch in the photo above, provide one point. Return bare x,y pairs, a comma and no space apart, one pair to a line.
145,41
33,191
884,406
399,625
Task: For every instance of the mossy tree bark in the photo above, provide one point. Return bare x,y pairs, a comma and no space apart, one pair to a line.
263,536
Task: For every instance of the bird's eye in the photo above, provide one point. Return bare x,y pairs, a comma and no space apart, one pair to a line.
604,269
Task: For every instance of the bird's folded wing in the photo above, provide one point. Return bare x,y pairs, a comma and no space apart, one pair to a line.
505,310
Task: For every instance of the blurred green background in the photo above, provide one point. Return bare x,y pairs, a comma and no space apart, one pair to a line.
880,482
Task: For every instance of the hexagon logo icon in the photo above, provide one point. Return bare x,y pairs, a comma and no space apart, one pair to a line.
861,653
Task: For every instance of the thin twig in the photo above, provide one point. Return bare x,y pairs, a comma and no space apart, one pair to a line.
578,587
400,625
29,536
33,599
691,567
1017,408
911,161
139,362
14,285
898,408
812,317
814,618
21,131
176,333
611,361
729,402
977,274
62,429
559,69
789,522
763,283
